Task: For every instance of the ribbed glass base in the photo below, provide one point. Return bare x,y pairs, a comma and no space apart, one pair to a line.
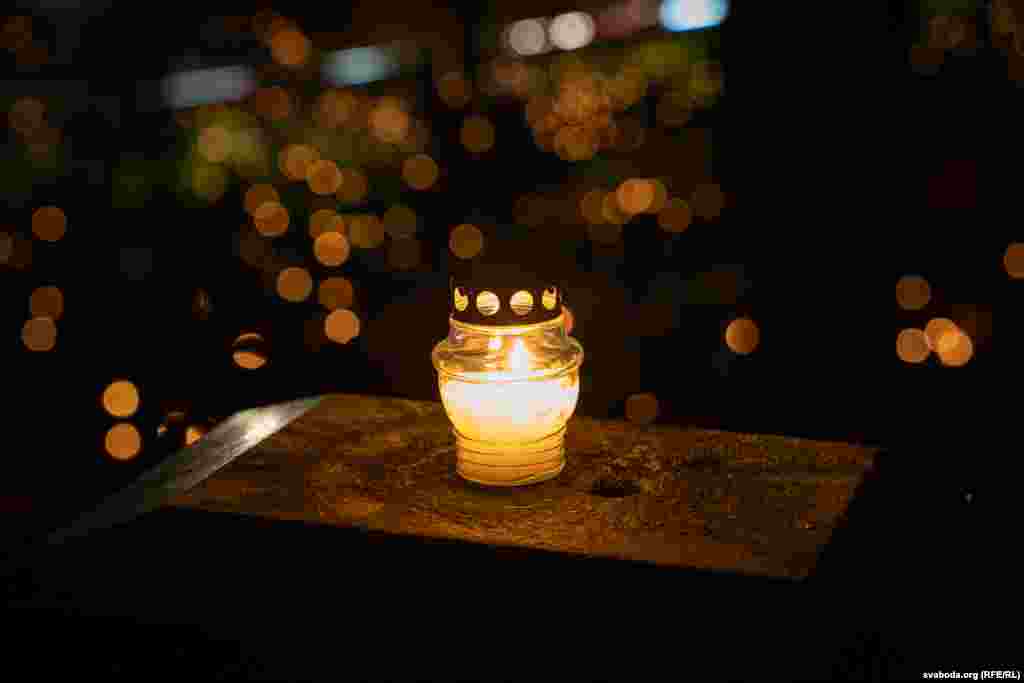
510,464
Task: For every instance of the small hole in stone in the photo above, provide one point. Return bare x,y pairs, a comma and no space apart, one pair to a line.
610,488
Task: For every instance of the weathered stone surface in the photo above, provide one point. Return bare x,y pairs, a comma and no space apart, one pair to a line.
672,496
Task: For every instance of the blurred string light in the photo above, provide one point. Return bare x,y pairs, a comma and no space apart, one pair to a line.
335,108
388,121
325,220
39,334
742,336
49,223
123,441
571,31
342,326
271,219
323,177
935,329
527,37
1013,260
120,398
331,249
257,195
208,86
336,292
290,47
46,302
912,346
294,160
294,283
913,292
689,15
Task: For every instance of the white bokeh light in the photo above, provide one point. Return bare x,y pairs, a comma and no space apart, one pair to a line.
527,37
572,30
688,15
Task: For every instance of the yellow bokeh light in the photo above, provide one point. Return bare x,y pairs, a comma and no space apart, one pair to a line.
294,283
336,292
466,241
354,186
389,122
121,398
610,212
49,223
1013,260
271,219
742,336
259,194
576,143
954,348
454,90
193,433
675,216
420,172
248,351
366,231
642,408
325,220
290,47
400,221
39,334
294,160
214,143
934,330
331,249
335,108
404,253
912,346
46,302
913,292
323,177
635,195
341,326
123,441
477,134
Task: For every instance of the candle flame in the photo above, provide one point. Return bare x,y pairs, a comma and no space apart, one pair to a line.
518,356
494,343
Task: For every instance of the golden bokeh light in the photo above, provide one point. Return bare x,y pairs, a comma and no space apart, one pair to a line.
420,172
249,351
935,329
123,441
214,143
466,241
341,326
273,103
271,219
454,89
334,108
259,194
331,249
389,121
742,336
366,231
39,334
354,186
912,345
642,408
575,143
477,134
294,160
708,200
635,195
400,221
404,253
675,216
1013,260
120,398
49,223
294,283
325,220
336,292
194,433
954,348
913,292
290,47
323,177
209,182
659,198
610,212
46,302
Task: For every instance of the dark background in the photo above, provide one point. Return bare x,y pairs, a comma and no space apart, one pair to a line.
844,166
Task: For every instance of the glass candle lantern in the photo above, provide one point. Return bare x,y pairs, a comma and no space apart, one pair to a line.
508,375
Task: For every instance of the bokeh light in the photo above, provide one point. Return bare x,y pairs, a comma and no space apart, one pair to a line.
354,186
336,292
120,398
271,219
341,326
294,160
389,121
571,31
591,206
642,408
325,220
912,346
123,441
477,134
249,351
610,212
39,334
46,302
290,47
214,143
400,221
742,336
294,283
420,172
913,292
1013,260
194,433
935,329
273,103
954,348
257,195
675,216
366,231
635,195
454,89
335,108
331,249
466,241
323,177
49,223
527,37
